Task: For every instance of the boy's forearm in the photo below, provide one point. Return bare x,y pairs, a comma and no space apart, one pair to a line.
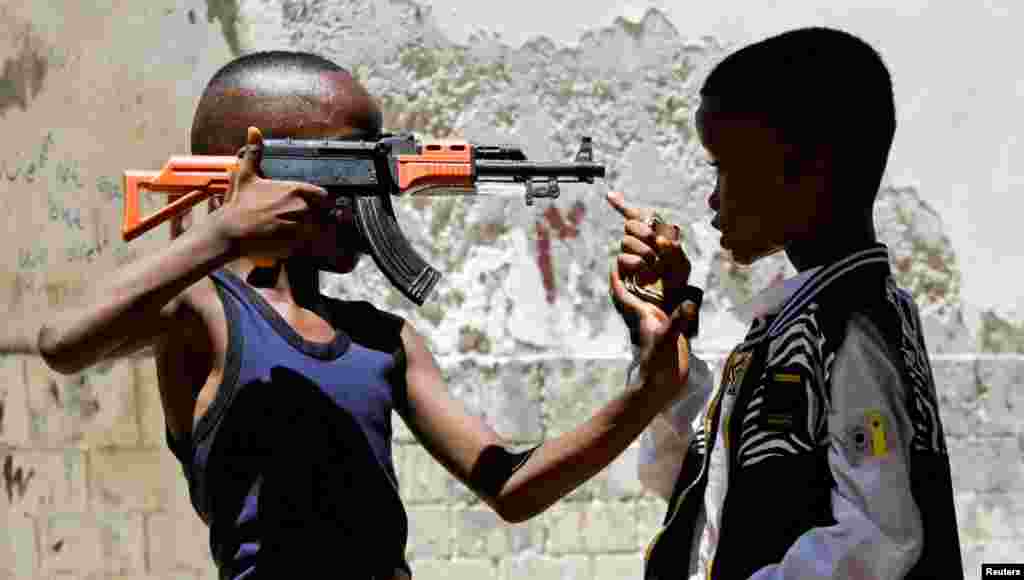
128,304
562,464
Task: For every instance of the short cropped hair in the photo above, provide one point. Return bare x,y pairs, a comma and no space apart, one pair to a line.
255,89
816,85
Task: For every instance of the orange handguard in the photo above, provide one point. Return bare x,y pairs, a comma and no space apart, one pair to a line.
440,165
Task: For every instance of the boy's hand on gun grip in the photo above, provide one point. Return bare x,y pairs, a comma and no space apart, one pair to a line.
268,218
649,253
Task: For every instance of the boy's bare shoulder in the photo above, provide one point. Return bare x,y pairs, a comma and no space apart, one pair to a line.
199,308
199,295
191,322
189,316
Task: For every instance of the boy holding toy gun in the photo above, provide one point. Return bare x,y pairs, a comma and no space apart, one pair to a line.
278,399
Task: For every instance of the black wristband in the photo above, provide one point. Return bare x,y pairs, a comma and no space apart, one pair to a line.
496,466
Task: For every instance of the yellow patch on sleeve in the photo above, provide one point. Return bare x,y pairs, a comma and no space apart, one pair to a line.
786,378
877,429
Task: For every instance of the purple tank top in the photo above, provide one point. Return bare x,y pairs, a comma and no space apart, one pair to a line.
291,466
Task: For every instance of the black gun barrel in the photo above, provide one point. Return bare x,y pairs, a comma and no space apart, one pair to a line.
501,168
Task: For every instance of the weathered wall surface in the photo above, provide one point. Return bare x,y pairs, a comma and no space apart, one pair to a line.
521,322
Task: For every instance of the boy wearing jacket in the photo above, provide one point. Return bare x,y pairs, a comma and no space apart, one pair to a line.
821,454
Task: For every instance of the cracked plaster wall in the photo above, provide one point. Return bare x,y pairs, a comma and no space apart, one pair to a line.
520,322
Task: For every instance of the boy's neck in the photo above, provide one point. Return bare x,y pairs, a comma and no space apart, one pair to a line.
841,240
278,284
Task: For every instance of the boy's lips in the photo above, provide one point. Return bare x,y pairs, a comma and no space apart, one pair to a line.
716,222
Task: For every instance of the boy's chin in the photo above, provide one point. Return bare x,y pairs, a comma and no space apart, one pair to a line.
741,259
749,256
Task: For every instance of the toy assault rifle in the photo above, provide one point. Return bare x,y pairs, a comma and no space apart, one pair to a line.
364,174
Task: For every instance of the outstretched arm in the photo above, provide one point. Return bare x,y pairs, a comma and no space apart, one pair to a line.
140,302
516,486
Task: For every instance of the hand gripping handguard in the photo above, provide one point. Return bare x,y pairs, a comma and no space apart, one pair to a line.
364,175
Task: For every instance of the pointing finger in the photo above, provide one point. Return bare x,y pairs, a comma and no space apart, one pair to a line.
617,201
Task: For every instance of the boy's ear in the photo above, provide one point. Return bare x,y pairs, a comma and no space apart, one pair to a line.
805,160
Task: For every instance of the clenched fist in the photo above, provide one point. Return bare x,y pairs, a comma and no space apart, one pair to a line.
661,337
267,218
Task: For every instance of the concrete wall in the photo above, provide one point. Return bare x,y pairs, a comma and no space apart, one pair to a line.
521,322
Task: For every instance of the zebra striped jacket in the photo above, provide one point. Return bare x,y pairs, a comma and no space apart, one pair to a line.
821,453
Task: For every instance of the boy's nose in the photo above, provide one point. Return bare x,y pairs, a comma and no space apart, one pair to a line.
713,201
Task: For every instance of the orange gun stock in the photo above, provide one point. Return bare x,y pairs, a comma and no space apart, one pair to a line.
188,180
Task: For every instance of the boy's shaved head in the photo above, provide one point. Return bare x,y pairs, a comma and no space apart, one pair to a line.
297,95
284,94
816,86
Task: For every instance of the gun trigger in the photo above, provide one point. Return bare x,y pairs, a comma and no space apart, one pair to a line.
551,190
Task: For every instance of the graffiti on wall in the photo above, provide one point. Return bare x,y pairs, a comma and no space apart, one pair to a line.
15,479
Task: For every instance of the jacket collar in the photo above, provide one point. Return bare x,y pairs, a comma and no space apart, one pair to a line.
770,300
788,297
877,254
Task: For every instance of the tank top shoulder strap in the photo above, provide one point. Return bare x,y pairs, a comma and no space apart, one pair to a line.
232,299
227,282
